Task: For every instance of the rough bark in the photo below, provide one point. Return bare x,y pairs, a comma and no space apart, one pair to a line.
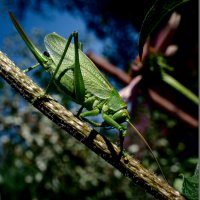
127,165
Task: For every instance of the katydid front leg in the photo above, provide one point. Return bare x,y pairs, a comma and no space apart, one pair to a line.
122,129
110,120
90,113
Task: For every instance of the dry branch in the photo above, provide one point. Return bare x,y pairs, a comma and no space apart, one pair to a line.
85,134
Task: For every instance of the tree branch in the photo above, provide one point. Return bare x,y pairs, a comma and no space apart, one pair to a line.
85,134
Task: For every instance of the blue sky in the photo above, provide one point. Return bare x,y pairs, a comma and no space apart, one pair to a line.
62,23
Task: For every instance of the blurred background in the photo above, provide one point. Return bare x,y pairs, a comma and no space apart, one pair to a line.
40,161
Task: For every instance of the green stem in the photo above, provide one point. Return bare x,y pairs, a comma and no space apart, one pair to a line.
181,88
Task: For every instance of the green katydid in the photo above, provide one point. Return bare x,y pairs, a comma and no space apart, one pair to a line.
76,75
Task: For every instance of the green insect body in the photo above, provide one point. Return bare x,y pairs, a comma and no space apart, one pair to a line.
77,76
98,96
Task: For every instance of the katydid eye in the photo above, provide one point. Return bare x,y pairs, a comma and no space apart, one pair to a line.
46,53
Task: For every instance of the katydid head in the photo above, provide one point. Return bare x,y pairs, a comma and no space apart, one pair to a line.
46,53
121,116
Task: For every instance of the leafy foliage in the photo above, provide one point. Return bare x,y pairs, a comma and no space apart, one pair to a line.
191,186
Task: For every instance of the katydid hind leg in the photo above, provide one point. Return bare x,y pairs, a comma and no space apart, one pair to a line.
80,46
59,63
79,88
38,55
78,77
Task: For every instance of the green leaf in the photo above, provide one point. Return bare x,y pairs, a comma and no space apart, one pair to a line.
191,186
153,18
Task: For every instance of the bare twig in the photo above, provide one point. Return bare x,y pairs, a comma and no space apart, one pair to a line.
85,134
